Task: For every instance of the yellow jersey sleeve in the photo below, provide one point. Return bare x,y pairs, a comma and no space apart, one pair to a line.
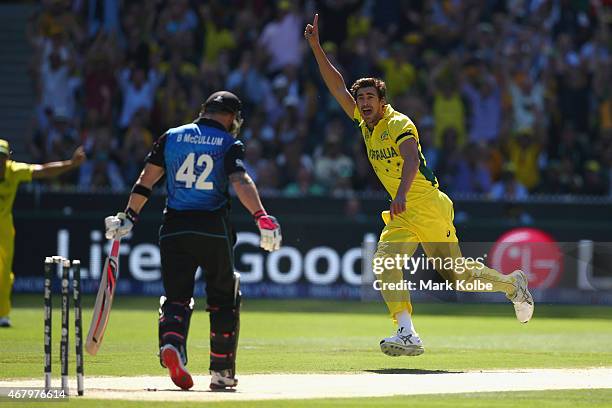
21,172
402,129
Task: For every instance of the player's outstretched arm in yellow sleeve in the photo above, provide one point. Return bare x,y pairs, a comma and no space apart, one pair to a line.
54,169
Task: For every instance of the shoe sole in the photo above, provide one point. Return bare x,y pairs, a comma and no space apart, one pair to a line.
523,321
396,350
217,387
178,373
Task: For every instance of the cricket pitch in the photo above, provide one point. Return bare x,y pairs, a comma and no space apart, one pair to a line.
368,384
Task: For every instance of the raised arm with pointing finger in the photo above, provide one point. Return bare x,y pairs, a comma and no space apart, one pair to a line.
333,79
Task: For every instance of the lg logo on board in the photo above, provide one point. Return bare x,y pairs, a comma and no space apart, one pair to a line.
533,251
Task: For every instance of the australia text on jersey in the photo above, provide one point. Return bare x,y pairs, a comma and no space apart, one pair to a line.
382,154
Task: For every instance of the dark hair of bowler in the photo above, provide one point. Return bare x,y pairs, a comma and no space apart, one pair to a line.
377,83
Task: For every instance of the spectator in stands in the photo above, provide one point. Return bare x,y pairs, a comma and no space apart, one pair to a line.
448,108
443,22
138,88
572,146
268,179
274,104
530,67
61,137
100,84
333,169
360,57
573,86
217,38
177,26
471,174
177,18
569,180
524,151
508,187
137,143
448,158
103,16
249,81
281,38
36,137
289,126
336,22
363,178
527,103
179,66
430,153
54,27
304,184
399,74
252,157
171,104
595,182
494,158
602,88
101,171
258,128
103,174
484,98
291,159
58,83
138,45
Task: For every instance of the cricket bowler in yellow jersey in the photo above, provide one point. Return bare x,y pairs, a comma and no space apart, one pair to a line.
13,173
419,214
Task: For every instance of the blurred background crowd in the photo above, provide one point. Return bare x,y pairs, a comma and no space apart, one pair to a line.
511,98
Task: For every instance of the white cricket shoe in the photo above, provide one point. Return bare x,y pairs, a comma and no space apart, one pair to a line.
222,380
5,321
402,344
522,299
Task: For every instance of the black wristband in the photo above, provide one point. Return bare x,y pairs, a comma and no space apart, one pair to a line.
131,215
141,190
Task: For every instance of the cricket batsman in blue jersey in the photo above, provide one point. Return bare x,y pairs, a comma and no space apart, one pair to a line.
200,160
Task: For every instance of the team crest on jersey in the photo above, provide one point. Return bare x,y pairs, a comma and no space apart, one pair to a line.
384,136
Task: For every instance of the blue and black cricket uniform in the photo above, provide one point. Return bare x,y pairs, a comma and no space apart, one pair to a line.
197,159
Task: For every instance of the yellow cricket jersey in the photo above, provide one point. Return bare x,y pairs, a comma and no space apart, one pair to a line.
382,146
14,174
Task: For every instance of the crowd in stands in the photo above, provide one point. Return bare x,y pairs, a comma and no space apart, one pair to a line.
510,98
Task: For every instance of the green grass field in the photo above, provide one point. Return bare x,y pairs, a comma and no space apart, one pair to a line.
325,336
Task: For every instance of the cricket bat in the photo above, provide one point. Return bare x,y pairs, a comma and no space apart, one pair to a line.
104,300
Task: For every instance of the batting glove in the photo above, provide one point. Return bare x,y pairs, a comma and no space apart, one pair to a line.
118,226
269,231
